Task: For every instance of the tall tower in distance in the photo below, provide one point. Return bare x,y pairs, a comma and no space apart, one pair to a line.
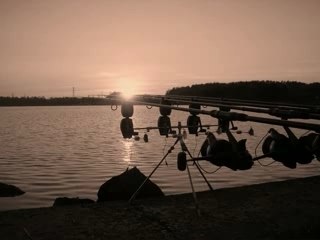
73,91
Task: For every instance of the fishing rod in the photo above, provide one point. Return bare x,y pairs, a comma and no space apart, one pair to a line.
227,115
254,103
275,111
238,103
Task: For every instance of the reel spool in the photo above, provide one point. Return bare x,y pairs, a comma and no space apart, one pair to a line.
285,150
216,152
164,125
127,110
221,152
126,127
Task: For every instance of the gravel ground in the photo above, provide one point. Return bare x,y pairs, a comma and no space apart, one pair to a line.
279,210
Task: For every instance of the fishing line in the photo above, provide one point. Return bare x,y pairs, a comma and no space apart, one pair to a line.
198,164
164,148
265,165
216,170
255,151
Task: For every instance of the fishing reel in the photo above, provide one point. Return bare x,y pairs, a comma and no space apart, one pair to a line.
228,153
289,150
221,153
232,154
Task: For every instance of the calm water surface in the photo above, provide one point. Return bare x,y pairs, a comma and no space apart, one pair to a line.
52,152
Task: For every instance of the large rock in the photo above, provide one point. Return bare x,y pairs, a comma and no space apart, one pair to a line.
64,201
122,187
7,190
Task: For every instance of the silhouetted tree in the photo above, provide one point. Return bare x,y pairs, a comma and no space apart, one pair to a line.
274,91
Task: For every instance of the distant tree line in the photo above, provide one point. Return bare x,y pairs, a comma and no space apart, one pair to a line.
42,101
273,91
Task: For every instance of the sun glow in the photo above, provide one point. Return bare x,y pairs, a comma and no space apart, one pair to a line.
127,87
127,95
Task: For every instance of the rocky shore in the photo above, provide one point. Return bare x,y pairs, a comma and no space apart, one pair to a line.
278,210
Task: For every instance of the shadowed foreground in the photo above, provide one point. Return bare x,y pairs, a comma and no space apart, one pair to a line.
288,209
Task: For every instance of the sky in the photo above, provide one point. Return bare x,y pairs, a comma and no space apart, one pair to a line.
149,46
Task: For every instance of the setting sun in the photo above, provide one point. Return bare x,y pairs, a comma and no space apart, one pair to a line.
127,95
128,87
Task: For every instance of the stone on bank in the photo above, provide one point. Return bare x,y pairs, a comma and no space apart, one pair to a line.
123,186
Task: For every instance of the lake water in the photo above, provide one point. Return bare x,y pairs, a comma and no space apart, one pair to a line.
52,152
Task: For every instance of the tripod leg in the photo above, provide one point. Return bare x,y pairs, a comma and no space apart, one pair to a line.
153,171
204,177
193,193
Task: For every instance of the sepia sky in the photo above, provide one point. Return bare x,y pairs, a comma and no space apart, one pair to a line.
148,46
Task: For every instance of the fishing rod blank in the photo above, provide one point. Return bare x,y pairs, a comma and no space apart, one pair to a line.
234,116
275,110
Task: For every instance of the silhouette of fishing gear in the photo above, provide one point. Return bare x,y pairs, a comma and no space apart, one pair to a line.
231,153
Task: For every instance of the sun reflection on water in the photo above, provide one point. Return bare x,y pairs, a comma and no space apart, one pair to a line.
127,150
